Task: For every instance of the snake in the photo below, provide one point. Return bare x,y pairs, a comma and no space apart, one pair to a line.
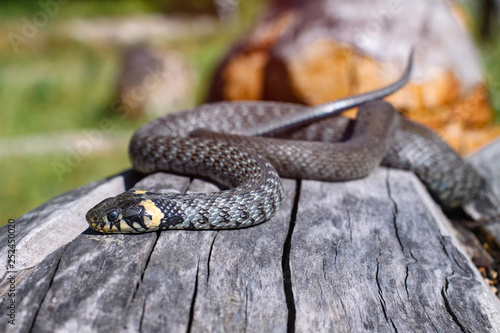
246,146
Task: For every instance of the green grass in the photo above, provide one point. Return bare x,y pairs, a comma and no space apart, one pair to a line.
30,181
491,57
490,54
90,8
57,89
54,85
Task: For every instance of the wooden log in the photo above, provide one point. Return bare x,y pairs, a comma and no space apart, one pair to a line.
34,231
375,254
380,259
57,222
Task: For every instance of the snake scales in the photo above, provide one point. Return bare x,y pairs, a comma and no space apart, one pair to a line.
263,139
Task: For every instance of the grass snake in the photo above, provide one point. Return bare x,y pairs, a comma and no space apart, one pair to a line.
246,146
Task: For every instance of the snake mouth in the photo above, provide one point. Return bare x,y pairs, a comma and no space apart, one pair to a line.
95,221
91,218
105,226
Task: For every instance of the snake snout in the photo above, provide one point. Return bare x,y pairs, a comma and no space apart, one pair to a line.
95,220
91,217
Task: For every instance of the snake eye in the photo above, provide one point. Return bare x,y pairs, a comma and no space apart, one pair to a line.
113,215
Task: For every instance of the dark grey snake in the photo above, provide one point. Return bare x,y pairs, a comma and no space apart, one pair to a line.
245,145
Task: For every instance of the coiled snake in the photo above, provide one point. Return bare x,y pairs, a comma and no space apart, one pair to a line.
263,139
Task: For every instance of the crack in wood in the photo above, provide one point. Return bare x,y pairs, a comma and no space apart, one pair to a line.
343,307
380,293
407,272
460,266
139,282
454,317
394,211
32,325
382,300
321,293
193,300
285,263
394,326
210,255
141,320
349,220
335,254
443,246
445,240
323,268
431,322
246,310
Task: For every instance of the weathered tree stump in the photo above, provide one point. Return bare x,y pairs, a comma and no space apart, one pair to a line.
375,254
316,51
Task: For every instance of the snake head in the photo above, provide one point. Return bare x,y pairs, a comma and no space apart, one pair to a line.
129,212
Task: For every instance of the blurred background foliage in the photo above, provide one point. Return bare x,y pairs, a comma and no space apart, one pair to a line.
55,84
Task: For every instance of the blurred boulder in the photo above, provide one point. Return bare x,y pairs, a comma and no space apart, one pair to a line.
153,82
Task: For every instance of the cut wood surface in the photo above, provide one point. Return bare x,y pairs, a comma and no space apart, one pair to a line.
375,254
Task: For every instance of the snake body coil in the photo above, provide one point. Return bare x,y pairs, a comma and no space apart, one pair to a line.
216,141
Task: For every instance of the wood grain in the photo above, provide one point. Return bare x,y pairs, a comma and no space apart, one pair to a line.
375,254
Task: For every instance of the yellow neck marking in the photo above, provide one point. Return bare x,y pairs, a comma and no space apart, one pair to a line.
155,213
